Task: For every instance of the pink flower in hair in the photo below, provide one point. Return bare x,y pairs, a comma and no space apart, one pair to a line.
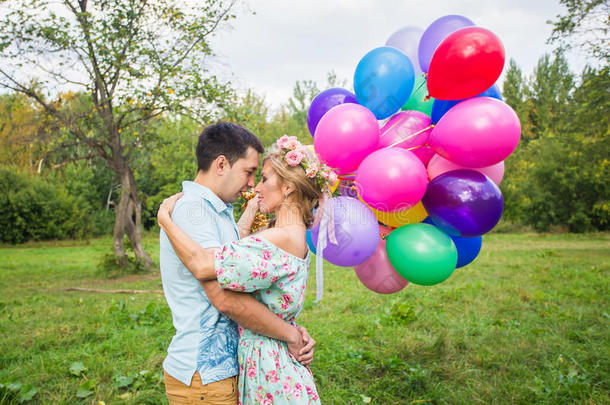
332,178
311,171
293,144
293,158
281,143
288,142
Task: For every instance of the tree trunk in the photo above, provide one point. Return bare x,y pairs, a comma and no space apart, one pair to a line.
128,214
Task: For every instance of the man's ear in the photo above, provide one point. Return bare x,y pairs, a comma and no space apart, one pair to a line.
221,165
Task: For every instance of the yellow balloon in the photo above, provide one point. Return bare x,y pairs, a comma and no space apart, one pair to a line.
397,219
334,187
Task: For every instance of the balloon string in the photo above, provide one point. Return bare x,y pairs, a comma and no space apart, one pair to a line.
422,84
416,147
404,117
410,136
401,119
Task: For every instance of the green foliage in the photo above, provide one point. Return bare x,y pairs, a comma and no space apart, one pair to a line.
557,177
585,25
170,161
77,368
525,323
14,392
32,208
110,266
91,183
86,388
129,62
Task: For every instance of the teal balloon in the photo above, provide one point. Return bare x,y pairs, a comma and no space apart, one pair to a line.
310,243
418,101
421,253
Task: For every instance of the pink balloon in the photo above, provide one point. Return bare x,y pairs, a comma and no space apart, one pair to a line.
439,165
478,132
391,179
377,273
424,153
410,127
345,135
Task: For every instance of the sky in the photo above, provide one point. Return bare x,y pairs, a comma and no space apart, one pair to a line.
274,43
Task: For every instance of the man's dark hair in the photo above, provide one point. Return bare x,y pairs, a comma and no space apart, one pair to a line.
224,138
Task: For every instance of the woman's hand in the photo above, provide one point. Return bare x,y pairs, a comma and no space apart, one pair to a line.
165,209
253,203
306,353
301,346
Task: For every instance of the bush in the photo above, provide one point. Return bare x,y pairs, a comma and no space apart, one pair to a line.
89,184
32,208
110,266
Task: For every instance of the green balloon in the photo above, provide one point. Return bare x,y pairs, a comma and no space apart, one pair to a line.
418,101
422,253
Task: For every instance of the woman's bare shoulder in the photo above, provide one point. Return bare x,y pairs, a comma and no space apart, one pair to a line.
278,236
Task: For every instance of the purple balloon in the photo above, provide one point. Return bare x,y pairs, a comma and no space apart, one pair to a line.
407,40
464,203
348,189
357,233
324,101
434,35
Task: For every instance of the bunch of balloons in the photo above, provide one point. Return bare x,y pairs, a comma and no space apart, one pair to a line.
419,148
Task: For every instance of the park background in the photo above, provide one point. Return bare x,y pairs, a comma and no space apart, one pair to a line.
527,322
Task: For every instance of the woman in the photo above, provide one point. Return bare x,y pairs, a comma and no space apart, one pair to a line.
272,264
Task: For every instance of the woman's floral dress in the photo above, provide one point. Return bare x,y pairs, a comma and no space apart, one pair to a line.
268,374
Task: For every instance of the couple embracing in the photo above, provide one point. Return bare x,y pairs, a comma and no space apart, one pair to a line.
216,274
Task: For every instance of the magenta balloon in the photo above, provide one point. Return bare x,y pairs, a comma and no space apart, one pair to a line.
478,132
439,165
424,154
323,102
412,127
345,135
377,273
357,233
392,179
440,29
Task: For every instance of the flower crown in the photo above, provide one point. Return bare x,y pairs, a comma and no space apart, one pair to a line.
295,154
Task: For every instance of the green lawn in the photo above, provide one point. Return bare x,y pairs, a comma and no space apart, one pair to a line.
527,322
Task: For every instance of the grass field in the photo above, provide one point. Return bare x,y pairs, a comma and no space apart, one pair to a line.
527,322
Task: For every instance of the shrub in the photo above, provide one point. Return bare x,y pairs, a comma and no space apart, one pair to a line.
33,208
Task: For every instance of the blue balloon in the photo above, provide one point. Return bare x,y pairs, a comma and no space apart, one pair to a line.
440,107
384,81
467,248
310,243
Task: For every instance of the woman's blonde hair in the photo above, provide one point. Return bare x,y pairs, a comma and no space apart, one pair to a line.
307,191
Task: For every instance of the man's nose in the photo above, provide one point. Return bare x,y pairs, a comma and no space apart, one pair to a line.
251,181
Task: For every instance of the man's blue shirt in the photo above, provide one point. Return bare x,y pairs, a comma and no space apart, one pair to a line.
205,340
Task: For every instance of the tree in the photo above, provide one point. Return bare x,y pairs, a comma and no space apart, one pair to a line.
550,92
516,94
292,117
131,61
19,127
585,25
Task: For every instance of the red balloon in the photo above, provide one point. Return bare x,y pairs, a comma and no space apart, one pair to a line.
465,64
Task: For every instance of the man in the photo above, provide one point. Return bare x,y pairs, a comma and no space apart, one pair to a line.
201,365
